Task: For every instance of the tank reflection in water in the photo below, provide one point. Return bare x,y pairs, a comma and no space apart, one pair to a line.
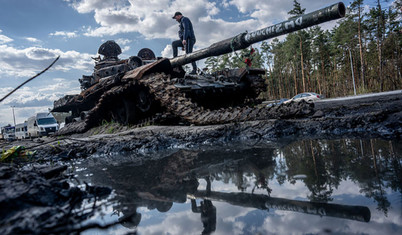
325,186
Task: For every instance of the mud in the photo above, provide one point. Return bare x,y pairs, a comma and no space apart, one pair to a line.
39,200
36,198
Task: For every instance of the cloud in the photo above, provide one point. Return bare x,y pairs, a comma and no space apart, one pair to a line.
37,53
30,100
39,96
183,222
31,39
16,63
153,20
4,39
125,49
28,61
65,34
123,41
86,6
168,51
111,18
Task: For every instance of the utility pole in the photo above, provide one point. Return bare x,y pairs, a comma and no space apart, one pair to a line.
13,114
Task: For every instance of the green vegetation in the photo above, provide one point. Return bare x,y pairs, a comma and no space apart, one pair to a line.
17,153
108,127
320,61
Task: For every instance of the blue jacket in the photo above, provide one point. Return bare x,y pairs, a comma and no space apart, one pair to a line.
186,29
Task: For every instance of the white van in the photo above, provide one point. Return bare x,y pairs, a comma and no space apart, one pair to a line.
21,131
42,124
8,132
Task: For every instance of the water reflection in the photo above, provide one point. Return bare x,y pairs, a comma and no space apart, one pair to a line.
207,210
260,178
374,164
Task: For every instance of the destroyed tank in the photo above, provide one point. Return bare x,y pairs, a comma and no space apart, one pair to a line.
141,87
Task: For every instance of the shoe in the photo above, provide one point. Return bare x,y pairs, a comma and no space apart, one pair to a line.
193,71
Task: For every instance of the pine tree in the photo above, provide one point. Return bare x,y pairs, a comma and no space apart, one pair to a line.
296,11
357,6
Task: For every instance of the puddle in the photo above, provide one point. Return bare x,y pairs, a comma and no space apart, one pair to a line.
309,186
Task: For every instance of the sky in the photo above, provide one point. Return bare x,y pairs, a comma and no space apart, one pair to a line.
34,32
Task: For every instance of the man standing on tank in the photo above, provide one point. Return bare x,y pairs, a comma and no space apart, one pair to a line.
186,35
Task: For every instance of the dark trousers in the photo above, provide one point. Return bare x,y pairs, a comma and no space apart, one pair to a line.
189,48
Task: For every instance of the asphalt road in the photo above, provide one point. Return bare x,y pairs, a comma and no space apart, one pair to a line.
372,97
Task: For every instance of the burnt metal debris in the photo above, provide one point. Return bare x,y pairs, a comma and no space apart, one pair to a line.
132,90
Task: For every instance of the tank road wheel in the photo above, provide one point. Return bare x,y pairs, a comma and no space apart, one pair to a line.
143,100
123,111
68,119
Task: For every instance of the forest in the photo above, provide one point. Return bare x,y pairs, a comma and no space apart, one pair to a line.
361,54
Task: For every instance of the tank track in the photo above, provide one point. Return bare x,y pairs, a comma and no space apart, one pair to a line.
161,86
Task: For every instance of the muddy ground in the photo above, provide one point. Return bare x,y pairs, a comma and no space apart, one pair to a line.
366,117
39,189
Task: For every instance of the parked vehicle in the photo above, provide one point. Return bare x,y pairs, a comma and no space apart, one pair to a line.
21,131
8,132
307,96
42,124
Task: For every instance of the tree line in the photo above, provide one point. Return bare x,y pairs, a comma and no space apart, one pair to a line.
361,54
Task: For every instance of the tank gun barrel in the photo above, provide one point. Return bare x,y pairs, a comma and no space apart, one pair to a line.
264,202
244,40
